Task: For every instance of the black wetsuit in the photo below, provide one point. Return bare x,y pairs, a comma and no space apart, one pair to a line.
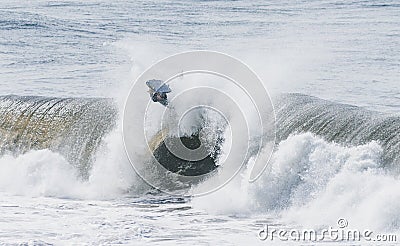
163,96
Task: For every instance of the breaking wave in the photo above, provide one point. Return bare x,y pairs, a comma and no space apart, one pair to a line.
331,160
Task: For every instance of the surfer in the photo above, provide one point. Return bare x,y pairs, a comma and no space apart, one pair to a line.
158,91
160,97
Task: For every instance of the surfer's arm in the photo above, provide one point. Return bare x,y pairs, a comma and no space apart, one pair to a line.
154,97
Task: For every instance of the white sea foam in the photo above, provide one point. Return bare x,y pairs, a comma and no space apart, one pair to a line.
46,173
38,173
312,183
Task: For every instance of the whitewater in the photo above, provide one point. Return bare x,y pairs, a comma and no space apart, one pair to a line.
332,69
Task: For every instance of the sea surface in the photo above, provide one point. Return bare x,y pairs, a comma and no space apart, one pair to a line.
345,52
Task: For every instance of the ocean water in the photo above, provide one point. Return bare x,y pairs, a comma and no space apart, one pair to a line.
335,159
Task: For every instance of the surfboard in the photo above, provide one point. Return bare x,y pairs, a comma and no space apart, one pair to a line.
158,86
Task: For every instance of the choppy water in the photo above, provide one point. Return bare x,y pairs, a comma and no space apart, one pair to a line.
346,52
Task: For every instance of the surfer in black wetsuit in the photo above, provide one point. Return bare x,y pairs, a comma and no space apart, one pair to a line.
158,91
160,97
